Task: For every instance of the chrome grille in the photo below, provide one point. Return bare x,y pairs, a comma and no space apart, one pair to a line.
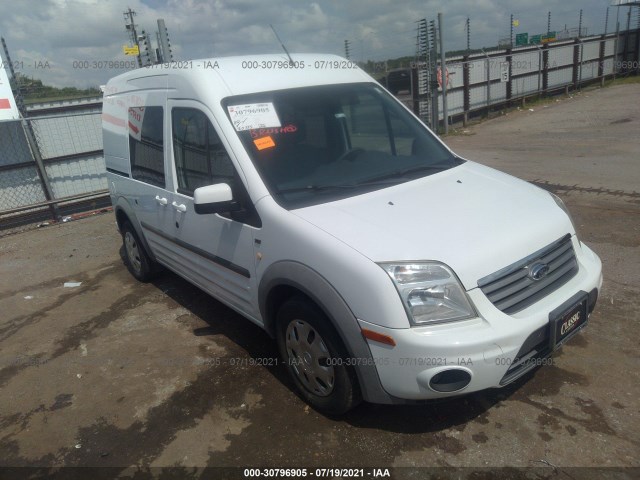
512,289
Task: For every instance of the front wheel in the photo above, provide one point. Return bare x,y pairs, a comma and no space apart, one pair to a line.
315,357
138,262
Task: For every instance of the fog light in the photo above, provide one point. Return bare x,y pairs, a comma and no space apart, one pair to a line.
450,380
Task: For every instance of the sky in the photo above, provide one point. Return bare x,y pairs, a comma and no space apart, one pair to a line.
67,42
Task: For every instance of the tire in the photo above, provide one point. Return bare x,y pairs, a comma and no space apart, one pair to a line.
137,260
314,356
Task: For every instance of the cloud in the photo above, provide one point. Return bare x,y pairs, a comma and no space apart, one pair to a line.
70,33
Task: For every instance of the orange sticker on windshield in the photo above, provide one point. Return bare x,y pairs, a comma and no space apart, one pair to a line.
264,142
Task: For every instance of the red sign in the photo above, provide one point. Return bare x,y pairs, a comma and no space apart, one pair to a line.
275,130
439,76
4,103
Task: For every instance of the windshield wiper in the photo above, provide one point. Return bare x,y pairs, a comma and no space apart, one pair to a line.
314,188
322,188
406,171
365,183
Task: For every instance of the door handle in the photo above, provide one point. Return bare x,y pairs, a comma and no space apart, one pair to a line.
179,208
161,200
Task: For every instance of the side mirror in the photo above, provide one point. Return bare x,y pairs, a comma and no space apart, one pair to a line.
214,199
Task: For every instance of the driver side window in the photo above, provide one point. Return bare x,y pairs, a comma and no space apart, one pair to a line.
200,156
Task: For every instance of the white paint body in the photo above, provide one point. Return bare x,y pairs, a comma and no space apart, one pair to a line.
471,218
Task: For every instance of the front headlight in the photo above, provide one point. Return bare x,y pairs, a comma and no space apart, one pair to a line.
430,292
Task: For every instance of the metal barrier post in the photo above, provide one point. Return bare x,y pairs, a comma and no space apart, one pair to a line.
466,81
508,59
576,60
581,63
488,82
603,44
42,173
540,61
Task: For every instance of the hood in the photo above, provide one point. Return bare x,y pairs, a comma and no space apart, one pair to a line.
472,218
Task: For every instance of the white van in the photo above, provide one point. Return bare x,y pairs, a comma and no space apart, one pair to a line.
307,198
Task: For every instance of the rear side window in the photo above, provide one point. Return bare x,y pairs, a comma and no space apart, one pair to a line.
200,157
146,145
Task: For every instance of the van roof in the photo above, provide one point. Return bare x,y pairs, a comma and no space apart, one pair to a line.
246,74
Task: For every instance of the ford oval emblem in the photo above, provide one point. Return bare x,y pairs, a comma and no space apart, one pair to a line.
538,271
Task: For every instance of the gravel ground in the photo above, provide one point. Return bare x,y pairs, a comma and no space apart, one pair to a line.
114,373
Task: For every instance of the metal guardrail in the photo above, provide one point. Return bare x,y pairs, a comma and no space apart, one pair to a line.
57,201
481,82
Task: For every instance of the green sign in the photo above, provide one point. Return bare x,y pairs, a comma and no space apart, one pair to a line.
549,37
535,39
522,39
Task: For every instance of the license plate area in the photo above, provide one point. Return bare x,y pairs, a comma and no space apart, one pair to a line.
565,322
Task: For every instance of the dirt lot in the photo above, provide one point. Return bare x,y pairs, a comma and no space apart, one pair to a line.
122,374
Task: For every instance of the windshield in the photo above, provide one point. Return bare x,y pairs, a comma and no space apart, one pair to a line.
317,144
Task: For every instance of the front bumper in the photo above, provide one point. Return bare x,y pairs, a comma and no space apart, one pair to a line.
483,351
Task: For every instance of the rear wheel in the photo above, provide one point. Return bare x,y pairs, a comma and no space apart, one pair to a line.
137,260
315,357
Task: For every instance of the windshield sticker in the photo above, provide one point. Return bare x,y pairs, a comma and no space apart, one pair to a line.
290,128
264,142
253,116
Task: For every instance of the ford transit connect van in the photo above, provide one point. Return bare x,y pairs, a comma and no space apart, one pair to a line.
301,194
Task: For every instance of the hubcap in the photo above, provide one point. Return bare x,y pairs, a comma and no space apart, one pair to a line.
133,253
309,358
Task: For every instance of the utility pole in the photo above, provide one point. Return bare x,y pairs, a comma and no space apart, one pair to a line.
422,90
580,25
511,30
133,35
606,21
165,45
149,53
468,34
615,44
347,50
628,20
433,66
626,37
158,49
549,23
418,41
443,75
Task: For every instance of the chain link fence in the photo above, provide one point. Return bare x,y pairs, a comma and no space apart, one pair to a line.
71,150
19,180
51,163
